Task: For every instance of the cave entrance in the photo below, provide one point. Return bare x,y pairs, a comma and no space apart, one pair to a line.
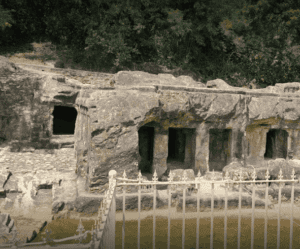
64,119
276,146
181,148
146,141
219,148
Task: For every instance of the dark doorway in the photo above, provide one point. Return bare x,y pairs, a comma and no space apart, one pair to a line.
176,145
64,119
276,146
146,141
219,148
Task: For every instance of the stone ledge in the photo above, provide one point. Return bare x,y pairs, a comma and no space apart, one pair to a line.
72,72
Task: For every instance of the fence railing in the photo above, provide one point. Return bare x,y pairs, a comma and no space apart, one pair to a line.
103,232
172,185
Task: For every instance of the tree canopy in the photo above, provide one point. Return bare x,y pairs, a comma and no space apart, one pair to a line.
212,37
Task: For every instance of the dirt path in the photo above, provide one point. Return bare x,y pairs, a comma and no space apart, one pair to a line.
40,49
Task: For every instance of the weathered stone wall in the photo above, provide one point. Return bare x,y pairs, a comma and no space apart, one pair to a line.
111,111
140,98
81,139
27,100
22,115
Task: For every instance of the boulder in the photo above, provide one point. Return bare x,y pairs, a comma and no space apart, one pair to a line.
285,192
7,67
131,202
261,169
219,84
234,170
178,174
33,236
273,191
57,206
219,201
6,223
164,177
87,205
286,166
139,78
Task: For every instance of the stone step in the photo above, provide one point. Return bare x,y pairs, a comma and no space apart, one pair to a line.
63,141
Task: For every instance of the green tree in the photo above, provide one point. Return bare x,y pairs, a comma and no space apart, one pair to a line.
265,29
5,18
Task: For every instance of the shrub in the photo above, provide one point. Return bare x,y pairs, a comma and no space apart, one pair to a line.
59,64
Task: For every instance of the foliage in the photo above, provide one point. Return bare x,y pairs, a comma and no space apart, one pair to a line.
6,21
267,55
5,18
165,32
214,38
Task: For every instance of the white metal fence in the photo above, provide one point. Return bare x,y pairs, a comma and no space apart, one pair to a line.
172,185
103,232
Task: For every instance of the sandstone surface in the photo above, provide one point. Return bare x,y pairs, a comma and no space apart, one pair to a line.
111,110
135,121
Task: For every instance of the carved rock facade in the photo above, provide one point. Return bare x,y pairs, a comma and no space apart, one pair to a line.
156,122
139,121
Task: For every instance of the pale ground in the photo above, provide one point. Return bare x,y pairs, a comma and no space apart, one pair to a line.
39,48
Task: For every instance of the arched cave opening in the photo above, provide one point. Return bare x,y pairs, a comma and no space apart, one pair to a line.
219,148
64,119
146,142
276,146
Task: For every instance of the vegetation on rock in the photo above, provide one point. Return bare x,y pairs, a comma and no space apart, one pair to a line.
253,40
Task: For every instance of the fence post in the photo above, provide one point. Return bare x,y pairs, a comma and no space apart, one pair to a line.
112,189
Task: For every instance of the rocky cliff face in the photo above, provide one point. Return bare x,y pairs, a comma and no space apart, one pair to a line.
107,130
27,101
136,120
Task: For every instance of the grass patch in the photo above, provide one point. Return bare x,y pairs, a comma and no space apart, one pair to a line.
67,227
62,228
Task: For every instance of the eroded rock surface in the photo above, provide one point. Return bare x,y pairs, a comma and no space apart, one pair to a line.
237,123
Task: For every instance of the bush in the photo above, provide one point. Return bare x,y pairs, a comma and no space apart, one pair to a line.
266,56
59,64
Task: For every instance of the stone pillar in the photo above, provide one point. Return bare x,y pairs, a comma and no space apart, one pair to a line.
189,152
51,109
244,149
257,140
202,149
289,144
296,145
160,151
233,145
